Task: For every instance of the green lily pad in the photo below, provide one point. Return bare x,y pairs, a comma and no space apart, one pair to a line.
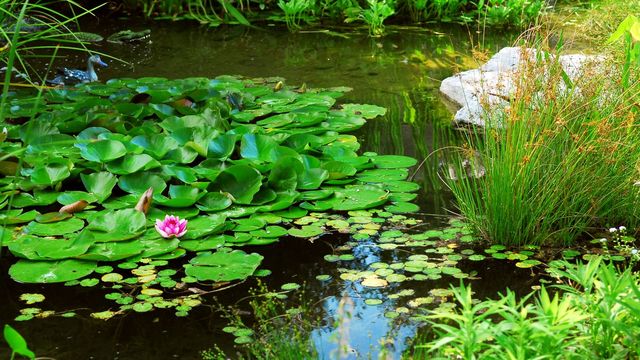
223,265
117,225
28,271
132,163
214,201
393,161
50,174
103,151
290,286
209,243
100,184
306,231
364,110
241,181
55,229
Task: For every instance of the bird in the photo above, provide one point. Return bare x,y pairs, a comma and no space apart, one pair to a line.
74,76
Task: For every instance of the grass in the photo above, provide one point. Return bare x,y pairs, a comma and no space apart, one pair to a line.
597,316
562,160
585,23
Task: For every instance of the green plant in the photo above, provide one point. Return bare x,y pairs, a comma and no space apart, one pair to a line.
17,343
629,29
374,16
560,161
594,317
280,331
509,12
295,11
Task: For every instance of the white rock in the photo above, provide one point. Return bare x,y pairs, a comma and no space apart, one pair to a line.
476,91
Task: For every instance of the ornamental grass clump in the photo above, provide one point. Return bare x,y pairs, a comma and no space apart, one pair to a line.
562,161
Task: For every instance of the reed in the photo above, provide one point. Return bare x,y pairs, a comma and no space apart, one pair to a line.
561,161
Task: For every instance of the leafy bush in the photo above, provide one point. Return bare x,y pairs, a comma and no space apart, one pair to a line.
597,316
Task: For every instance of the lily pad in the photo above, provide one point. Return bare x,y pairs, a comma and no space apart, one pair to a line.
223,265
28,271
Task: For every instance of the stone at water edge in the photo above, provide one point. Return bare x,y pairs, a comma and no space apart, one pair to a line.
475,91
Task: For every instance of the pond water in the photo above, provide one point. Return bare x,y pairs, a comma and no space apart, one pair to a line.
400,71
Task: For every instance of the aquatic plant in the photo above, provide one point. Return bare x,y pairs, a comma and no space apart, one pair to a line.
295,11
374,15
279,329
17,343
559,162
594,317
141,151
171,226
490,12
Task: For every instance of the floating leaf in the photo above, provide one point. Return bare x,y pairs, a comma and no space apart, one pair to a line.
103,151
393,161
32,298
241,181
223,265
290,286
28,271
100,184
56,228
306,231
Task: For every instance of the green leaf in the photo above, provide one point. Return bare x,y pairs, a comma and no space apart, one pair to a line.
285,173
40,272
393,161
205,225
53,229
223,265
209,243
100,184
103,151
364,110
139,183
257,147
179,196
112,251
241,181
132,163
37,248
50,174
16,342
306,231
70,197
214,201
235,13
156,145
222,146
117,225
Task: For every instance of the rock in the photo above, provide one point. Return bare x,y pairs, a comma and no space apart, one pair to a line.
475,92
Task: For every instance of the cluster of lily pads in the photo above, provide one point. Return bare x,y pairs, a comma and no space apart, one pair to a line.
241,159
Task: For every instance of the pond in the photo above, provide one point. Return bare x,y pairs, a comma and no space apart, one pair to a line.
400,72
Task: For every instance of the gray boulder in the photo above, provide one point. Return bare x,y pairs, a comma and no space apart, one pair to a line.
476,92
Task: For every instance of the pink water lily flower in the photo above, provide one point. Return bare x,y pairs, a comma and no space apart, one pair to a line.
171,226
